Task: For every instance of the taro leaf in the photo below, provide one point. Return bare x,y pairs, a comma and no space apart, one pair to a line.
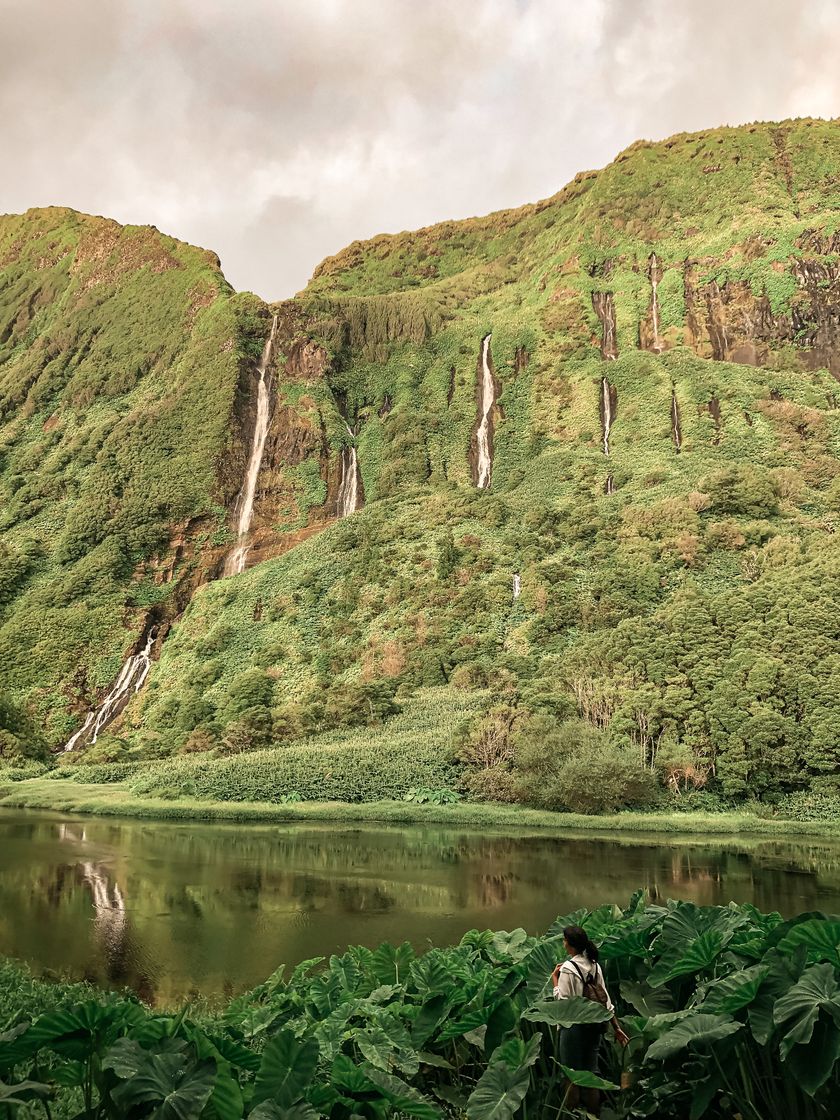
23,1091
271,1110
10,1054
503,1085
625,942
568,1012
703,1093
559,924
502,1020
76,1031
286,1070
586,1079
644,999
302,969
426,1021
427,1058
812,1065
348,1077
391,963
782,973
468,1021
800,1007
226,1101
430,974
699,954
735,991
346,972
69,1075
451,1095
637,902
402,1097
179,1088
239,1056
126,1058
697,1030
515,945
820,938
539,965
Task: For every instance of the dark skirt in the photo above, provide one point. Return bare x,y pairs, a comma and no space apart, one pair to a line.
579,1046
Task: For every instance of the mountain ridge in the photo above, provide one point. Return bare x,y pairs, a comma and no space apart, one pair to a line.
664,433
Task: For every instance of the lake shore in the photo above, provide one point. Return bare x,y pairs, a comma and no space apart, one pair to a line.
116,800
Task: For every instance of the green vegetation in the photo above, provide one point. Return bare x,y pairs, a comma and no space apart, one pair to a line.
675,642
729,1011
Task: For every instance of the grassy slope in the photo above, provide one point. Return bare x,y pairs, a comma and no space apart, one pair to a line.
120,354
683,595
700,584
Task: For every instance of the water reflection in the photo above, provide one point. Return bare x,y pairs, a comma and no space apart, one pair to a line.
181,909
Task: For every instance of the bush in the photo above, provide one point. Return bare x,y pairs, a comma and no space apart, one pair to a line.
808,805
358,771
28,768
573,767
496,783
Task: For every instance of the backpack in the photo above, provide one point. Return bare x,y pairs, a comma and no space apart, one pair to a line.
593,987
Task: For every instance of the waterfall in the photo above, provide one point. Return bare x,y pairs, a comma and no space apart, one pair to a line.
349,489
245,501
484,465
609,485
654,284
131,679
603,304
607,412
517,585
676,428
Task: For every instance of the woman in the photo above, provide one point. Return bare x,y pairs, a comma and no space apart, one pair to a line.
579,1044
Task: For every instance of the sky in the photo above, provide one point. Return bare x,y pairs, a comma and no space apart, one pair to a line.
277,131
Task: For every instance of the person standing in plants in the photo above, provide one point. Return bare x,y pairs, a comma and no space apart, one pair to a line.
581,976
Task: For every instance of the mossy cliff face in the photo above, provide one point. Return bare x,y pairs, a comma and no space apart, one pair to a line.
663,587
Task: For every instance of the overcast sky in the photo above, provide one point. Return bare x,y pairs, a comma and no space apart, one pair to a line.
277,131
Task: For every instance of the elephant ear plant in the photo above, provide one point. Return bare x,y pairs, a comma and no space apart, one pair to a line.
730,1011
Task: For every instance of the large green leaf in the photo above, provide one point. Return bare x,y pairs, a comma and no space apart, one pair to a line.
286,1070
700,953
503,1019
403,1098
586,1079
820,938
271,1110
513,946
815,991
427,1019
504,1084
646,1000
391,963
811,1065
539,965
568,1012
735,991
73,1032
23,1091
176,1087
696,1030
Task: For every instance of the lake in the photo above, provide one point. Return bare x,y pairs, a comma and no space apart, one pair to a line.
175,910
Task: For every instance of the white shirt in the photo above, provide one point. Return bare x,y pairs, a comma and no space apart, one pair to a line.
569,982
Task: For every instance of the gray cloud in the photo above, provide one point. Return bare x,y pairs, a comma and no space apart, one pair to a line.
276,131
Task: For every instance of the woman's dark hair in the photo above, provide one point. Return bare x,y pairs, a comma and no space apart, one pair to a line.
578,938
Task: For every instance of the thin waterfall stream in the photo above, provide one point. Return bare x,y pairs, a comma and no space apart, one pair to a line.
349,490
131,679
484,453
676,427
655,276
235,563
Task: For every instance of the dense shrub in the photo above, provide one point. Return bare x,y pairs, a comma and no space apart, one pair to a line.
809,806
355,772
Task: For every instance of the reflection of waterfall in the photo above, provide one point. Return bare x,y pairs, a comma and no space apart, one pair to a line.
676,428
655,273
131,679
517,585
349,490
245,501
484,464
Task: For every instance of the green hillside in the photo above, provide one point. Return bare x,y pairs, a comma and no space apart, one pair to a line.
677,619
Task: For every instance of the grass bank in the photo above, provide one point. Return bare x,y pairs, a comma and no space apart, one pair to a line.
116,800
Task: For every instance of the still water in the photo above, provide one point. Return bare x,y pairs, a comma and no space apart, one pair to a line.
174,910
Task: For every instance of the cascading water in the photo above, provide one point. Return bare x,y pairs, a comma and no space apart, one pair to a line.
484,454
606,412
603,304
654,312
349,490
676,427
517,585
245,501
131,679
